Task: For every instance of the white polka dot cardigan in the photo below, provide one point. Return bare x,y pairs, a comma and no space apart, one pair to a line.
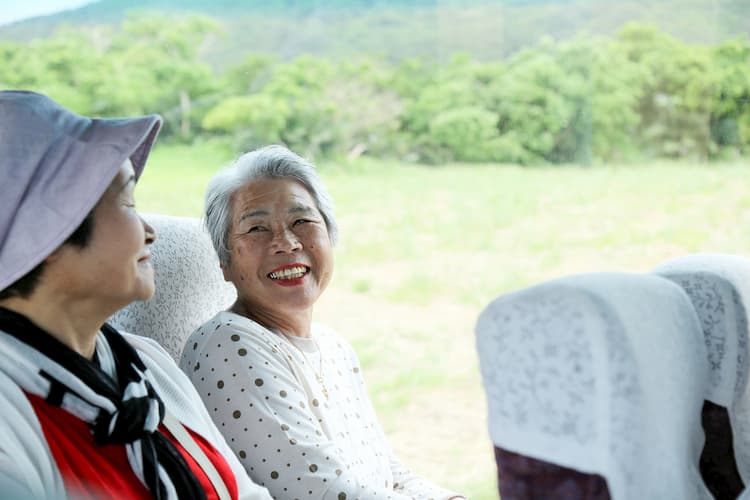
262,390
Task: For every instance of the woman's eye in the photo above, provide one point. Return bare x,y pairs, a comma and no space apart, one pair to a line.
256,229
300,221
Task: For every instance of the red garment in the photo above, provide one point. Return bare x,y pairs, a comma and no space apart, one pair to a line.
95,472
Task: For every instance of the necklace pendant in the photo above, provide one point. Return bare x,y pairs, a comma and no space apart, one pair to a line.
322,385
318,375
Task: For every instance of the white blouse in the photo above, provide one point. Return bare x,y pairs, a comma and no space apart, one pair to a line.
262,390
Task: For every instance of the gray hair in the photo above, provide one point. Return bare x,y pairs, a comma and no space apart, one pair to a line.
266,162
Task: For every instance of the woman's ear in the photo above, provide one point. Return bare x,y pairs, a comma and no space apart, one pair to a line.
59,254
225,271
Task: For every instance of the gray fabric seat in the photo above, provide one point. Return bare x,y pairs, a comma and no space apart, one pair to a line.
602,373
719,287
190,287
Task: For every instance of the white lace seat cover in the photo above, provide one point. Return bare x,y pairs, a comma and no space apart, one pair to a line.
719,287
190,288
603,373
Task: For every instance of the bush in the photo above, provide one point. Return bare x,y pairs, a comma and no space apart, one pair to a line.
257,119
466,133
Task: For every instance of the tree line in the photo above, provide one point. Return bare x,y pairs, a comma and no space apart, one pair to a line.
638,95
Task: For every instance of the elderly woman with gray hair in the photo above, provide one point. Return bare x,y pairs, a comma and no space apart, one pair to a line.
87,411
288,394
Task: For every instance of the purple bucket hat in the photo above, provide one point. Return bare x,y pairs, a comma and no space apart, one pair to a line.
54,167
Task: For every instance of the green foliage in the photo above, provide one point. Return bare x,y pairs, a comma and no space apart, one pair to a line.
260,118
433,100
249,75
674,105
465,132
532,101
150,65
613,82
365,119
730,120
589,99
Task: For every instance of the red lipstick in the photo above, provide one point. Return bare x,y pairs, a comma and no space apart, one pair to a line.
289,274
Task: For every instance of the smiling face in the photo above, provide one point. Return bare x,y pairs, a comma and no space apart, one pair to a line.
114,268
281,257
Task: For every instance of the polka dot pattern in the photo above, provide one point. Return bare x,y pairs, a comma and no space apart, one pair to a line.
264,396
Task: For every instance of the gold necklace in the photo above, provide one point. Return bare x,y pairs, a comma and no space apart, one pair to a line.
318,374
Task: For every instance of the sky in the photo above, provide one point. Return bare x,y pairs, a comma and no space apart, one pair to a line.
15,10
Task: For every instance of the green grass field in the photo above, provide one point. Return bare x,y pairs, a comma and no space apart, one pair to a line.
423,249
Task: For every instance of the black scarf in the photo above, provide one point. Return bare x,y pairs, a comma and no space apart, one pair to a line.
122,410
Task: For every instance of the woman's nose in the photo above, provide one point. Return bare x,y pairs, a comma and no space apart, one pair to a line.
285,242
149,231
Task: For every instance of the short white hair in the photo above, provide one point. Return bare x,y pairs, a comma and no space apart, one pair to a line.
267,162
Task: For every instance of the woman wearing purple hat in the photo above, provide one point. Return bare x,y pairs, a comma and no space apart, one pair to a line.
88,412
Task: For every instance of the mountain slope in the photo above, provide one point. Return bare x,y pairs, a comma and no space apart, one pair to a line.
487,29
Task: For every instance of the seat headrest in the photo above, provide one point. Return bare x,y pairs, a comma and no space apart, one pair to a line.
190,287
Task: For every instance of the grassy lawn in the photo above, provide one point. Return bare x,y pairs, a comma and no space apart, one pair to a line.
423,249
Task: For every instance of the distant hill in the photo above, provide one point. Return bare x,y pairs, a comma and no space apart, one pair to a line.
396,29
